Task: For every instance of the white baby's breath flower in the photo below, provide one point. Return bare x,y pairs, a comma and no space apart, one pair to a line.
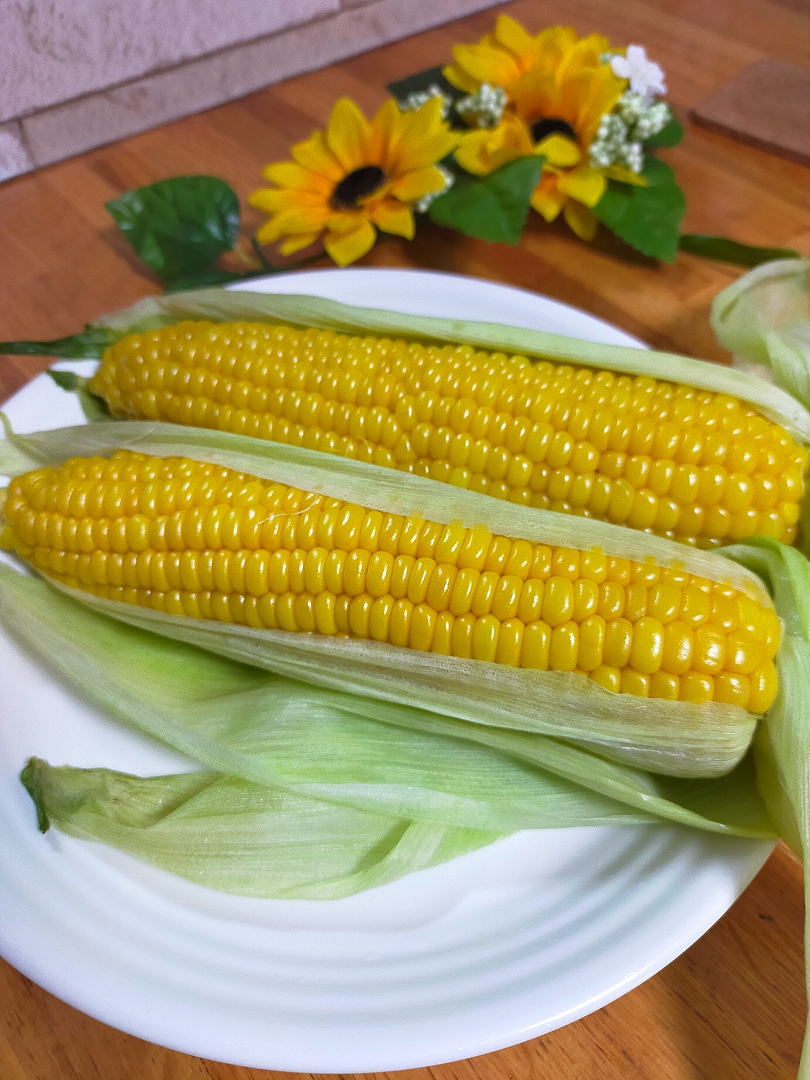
652,120
646,77
484,108
417,98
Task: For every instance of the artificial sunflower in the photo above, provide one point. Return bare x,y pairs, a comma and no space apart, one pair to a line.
354,178
502,58
559,88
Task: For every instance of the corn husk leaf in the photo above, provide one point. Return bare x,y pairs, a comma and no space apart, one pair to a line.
351,750
240,837
674,738
278,732
227,305
782,746
764,318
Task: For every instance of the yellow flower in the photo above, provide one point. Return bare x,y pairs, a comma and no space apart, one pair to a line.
558,92
354,178
500,59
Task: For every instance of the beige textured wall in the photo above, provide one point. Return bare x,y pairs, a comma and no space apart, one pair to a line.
78,73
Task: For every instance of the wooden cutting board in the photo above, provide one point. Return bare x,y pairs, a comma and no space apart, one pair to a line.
767,106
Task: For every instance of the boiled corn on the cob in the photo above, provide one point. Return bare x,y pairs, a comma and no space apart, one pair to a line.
687,464
204,541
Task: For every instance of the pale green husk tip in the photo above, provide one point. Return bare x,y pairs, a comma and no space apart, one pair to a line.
764,319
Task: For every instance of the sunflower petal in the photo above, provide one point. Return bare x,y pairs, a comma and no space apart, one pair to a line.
413,185
481,152
345,221
288,174
555,42
419,148
347,247
459,78
488,65
271,200
475,153
268,233
535,95
581,220
601,95
302,218
394,217
385,132
546,198
314,154
347,135
560,151
296,243
584,184
625,176
512,36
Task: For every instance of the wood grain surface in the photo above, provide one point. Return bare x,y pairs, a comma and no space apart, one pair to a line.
732,1007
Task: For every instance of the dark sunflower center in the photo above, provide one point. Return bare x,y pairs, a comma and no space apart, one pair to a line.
552,125
356,186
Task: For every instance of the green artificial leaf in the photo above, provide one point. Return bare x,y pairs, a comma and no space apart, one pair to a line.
88,345
207,279
493,207
670,135
725,250
647,218
179,227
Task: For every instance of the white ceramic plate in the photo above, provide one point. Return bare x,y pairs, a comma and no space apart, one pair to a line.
497,947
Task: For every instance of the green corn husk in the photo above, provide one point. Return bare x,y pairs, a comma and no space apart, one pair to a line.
238,837
782,744
360,752
228,305
668,737
764,319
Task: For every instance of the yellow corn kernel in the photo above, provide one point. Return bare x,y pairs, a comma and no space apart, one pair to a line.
763,683
664,601
591,643
647,650
743,653
732,689
696,688
609,677
664,685
510,642
564,650
709,650
634,682
618,643
485,637
558,601
462,636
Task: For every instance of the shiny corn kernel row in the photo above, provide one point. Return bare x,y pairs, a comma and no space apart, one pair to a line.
206,542
687,464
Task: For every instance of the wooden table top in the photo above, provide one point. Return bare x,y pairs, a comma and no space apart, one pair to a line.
733,1005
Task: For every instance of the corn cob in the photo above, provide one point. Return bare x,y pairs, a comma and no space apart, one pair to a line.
686,464
207,542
